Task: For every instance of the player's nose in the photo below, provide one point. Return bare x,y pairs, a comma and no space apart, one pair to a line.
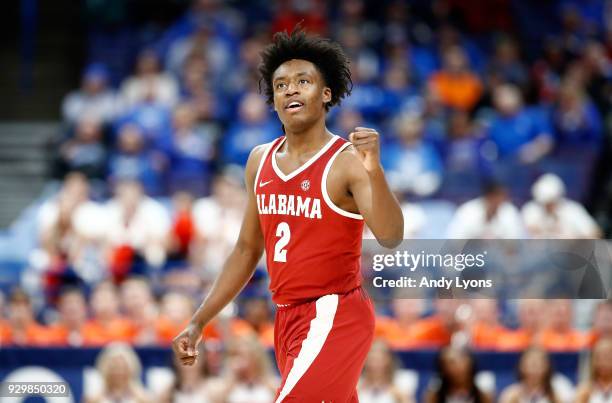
292,89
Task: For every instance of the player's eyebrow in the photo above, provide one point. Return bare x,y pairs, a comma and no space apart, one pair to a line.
301,73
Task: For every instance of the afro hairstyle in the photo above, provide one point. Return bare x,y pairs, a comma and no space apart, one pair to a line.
326,55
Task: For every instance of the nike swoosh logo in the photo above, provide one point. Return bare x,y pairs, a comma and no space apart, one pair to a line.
262,184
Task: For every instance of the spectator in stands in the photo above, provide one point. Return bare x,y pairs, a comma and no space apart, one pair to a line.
252,127
485,326
195,76
93,98
310,14
249,375
465,165
598,387
407,330
346,120
217,219
183,232
106,324
140,308
133,160
602,321
530,316
491,216
456,379
558,332
137,230
120,369
85,152
366,96
21,327
244,77
154,119
365,63
519,133
399,90
149,83
506,65
413,166
190,383
72,315
204,42
190,153
199,90
596,67
456,85
175,312
415,225
576,119
551,215
70,230
4,326
256,316
546,71
434,114
379,381
535,380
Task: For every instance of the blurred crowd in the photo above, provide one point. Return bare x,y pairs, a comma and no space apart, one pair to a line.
504,112
248,377
235,361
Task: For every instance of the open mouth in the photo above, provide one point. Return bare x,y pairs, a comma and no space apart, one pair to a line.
295,105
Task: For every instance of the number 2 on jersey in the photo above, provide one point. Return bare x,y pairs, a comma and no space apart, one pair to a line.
282,231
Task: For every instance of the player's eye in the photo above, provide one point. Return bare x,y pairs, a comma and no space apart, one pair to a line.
304,81
280,86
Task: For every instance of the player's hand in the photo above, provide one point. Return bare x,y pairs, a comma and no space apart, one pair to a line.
366,142
185,345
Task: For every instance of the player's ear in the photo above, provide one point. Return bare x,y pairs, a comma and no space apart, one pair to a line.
327,95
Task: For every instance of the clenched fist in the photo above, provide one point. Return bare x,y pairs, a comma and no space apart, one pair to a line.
366,142
185,345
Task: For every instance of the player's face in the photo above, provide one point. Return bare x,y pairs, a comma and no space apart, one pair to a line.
300,94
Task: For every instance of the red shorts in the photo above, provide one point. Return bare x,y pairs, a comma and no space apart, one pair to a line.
321,346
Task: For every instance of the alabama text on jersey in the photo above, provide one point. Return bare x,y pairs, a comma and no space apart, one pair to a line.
313,247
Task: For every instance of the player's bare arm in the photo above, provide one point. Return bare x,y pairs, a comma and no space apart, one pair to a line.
236,272
360,172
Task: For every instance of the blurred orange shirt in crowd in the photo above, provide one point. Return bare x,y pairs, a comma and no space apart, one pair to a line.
239,327
460,91
500,338
572,340
58,335
167,330
96,333
425,333
5,332
34,334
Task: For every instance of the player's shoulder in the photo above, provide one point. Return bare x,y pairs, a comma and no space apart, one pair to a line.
348,155
347,162
257,153
255,157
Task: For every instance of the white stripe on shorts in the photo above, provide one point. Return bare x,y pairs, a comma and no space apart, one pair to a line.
320,327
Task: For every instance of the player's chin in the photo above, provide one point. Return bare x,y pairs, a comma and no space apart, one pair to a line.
295,122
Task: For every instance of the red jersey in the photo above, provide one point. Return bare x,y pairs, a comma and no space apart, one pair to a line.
313,248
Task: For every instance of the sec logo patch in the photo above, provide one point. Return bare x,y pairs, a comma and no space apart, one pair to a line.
305,184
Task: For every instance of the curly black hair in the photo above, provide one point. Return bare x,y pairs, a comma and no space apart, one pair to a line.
325,54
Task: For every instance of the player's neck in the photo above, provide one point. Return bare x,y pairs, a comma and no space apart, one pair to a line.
308,140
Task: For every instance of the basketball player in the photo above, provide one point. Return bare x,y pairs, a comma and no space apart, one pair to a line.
309,193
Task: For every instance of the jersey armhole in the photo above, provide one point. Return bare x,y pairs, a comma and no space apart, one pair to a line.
326,197
261,164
